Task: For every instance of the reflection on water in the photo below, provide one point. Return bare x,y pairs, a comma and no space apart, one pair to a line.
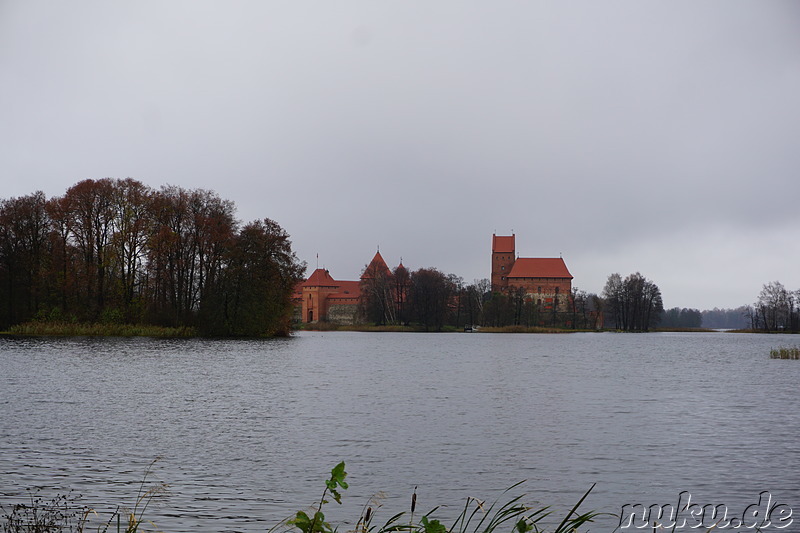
248,430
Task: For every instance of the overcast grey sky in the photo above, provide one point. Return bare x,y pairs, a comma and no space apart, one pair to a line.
660,137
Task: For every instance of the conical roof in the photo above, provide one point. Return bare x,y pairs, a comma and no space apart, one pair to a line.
320,278
376,267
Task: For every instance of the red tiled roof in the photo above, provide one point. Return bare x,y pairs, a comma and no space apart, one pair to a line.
377,265
321,278
347,290
539,267
503,244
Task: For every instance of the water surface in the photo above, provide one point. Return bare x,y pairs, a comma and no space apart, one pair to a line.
248,430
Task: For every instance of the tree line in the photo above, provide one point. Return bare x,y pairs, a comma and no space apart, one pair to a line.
434,300
116,250
677,317
725,318
775,309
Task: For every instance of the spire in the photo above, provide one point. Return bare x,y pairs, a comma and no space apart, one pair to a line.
375,267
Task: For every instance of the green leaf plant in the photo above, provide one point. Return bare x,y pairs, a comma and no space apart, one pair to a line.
317,523
475,517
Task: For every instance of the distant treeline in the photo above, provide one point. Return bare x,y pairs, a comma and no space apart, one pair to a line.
716,318
681,318
117,251
726,318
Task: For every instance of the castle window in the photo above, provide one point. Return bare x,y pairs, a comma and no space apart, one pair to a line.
556,290
502,268
540,289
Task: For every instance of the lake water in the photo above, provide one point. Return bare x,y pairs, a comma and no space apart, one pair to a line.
247,431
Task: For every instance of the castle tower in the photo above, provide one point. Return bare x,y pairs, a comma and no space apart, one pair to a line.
503,257
376,268
316,290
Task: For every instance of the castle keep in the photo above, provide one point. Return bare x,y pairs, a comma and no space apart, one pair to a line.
545,280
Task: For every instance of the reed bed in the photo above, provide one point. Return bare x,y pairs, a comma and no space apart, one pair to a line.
77,329
785,353
527,329
683,330
328,326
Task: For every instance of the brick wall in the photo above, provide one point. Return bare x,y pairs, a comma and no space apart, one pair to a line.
339,313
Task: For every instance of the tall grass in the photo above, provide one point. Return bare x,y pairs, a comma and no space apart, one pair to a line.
683,330
507,514
785,353
526,329
370,328
77,329
64,513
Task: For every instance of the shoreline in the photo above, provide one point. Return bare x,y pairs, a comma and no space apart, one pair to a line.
68,329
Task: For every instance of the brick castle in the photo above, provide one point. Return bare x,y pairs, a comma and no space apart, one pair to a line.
544,281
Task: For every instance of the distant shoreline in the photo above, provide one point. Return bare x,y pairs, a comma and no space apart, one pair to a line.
68,329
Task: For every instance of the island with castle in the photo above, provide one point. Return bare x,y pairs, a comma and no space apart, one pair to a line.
544,281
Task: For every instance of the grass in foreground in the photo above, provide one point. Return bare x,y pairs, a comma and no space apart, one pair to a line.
502,516
785,353
70,329
63,514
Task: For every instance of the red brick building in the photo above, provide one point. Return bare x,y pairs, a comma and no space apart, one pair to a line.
545,280
322,298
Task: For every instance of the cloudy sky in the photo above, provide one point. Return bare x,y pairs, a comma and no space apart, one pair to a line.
660,137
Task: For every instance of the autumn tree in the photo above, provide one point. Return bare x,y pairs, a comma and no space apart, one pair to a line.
62,271
634,304
477,293
378,295
775,309
92,217
580,309
24,255
430,297
117,250
499,310
458,300
402,283
132,206
191,234
251,296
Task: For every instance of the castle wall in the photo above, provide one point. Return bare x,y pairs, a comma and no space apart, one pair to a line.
344,314
535,286
546,292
